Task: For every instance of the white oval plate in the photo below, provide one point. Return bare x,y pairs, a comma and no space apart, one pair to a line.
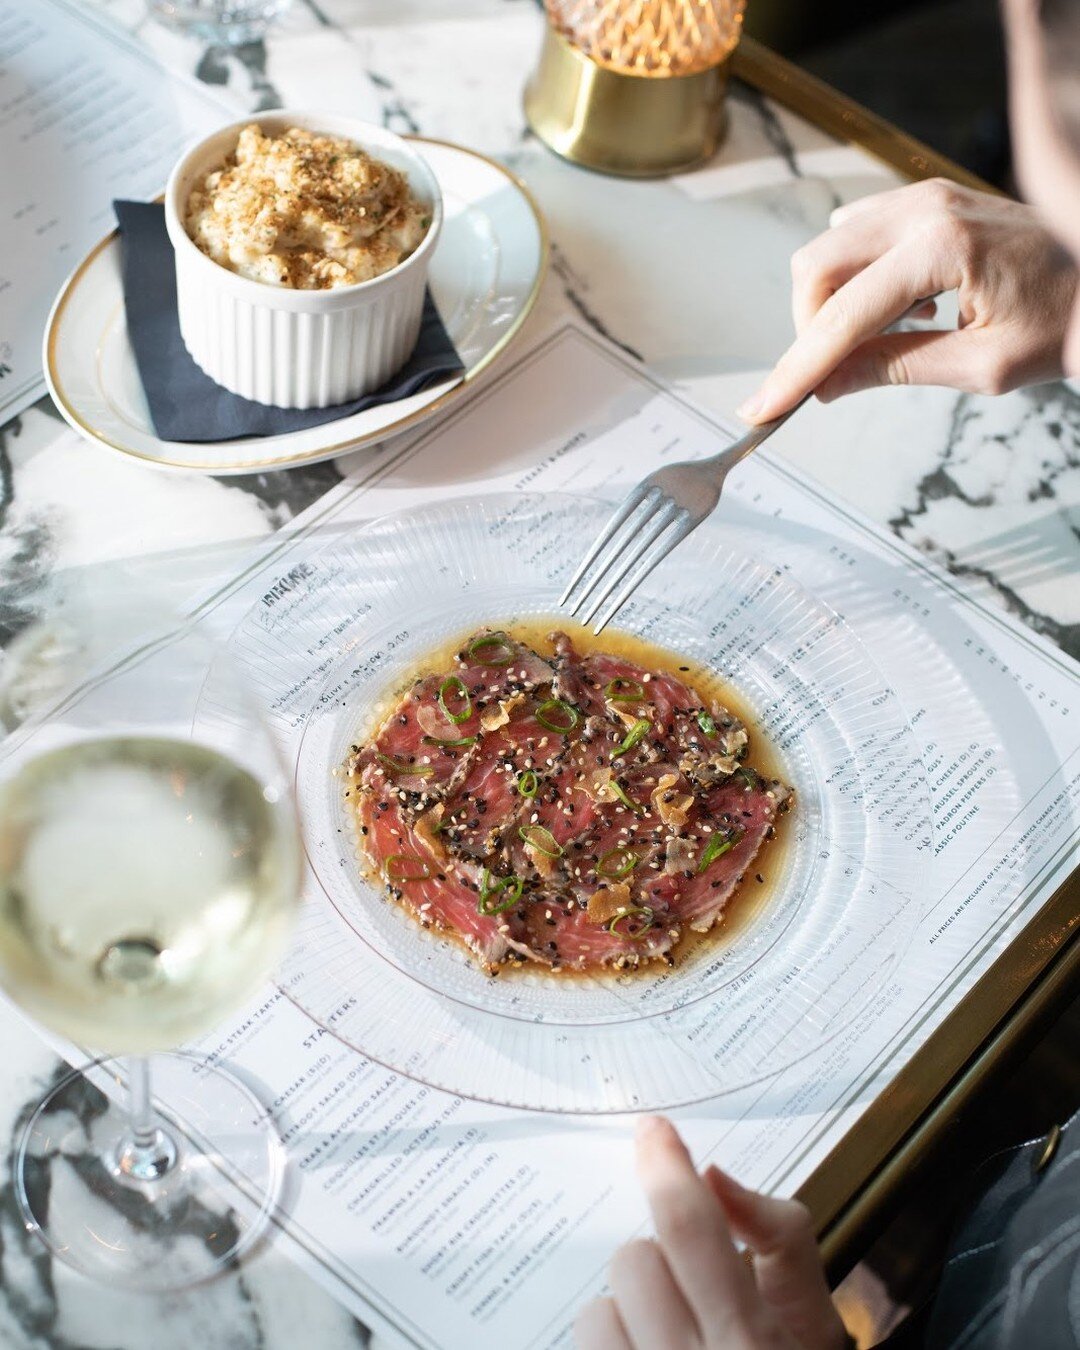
485,276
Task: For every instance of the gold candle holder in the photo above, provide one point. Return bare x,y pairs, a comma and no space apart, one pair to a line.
634,87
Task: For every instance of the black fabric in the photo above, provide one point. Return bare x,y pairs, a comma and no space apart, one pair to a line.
185,404
1012,1280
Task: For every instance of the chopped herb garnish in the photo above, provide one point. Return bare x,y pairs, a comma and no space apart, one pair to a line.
557,715
621,690
491,887
620,792
452,743
541,839
528,784
617,863
717,846
407,867
492,649
706,723
637,733
403,766
633,922
452,690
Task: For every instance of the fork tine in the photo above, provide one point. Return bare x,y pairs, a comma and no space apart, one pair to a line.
683,527
627,507
649,529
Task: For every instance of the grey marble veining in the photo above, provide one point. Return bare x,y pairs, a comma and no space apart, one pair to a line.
690,275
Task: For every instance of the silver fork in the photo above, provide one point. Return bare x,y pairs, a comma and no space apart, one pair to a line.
654,517
660,512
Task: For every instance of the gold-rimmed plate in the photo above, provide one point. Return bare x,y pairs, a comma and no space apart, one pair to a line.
485,276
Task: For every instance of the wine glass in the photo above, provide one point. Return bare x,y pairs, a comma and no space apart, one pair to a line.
225,23
148,883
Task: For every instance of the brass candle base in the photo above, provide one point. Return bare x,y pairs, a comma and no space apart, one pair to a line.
638,126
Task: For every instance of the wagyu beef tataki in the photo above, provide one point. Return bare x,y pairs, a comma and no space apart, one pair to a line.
576,811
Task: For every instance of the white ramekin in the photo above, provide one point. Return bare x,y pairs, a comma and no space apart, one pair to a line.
295,348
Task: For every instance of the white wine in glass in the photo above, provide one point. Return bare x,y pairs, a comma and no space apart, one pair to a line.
148,884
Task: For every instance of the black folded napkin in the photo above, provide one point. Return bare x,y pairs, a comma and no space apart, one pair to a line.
185,404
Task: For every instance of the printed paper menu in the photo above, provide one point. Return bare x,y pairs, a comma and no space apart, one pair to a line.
451,1224
72,92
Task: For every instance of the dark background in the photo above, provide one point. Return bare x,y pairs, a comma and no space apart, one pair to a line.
934,67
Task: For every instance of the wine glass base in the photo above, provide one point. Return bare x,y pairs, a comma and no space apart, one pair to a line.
210,1197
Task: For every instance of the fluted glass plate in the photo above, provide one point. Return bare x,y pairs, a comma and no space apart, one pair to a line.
739,1007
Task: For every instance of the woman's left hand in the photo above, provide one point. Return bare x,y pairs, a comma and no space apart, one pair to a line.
690,1289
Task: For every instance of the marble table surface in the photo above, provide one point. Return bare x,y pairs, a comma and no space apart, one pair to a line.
989,487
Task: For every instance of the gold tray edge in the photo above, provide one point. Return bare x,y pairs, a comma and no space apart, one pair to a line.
1029,984
841,117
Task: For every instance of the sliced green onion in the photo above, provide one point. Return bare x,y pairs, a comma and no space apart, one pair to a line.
528,784
565,717
635,932
403,766
493,649
541,839
620,690
454,684
460,740
491,887
717,846
748,776
407,867
617,863
620,792
638,732
706,723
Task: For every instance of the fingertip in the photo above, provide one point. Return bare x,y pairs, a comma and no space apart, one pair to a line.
762,409
724,1179
733,1196
659,1145
649,1126
657,1132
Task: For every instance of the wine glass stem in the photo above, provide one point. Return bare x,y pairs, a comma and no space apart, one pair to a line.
145,1151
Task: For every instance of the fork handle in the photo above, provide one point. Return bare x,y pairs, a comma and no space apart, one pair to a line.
730,456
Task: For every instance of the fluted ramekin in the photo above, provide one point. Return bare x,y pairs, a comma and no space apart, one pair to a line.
299,348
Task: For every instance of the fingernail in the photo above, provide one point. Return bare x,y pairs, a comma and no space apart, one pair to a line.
750,409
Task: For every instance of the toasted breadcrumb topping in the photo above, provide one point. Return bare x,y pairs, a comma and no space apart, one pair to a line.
305,211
